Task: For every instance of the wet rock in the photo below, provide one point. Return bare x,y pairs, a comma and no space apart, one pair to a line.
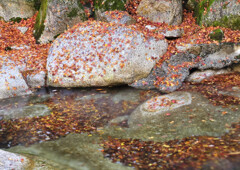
159,105
55,17
36,80
101,54
118,17
198,76
14,161
75,151
169,12
27,111
91,97
118,120
16,9
11,80
198,118
126,95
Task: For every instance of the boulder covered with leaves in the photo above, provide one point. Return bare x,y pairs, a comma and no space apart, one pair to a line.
225,13
169,12
56,16
15,10
102,54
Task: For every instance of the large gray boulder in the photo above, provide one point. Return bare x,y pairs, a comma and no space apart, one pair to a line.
56,16
101,54
12,82
16,8
169,12
175,70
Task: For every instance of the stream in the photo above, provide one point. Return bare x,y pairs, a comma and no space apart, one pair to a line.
94,128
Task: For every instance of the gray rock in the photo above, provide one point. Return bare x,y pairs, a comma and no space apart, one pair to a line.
198,76
118,17
22,29
9,161
173,33
27,111
55,17
175,70
16,8
176,33
37,80
11,80
101,54
221,11
169,12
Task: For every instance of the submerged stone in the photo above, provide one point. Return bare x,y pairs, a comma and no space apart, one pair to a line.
27,111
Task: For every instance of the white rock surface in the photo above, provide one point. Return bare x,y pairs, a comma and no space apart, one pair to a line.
12,161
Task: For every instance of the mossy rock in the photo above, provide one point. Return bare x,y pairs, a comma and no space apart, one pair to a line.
216,13
39,25
232,22
109,5
64,15
217,34
201,8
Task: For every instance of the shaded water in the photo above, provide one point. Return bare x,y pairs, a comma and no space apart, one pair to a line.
69,128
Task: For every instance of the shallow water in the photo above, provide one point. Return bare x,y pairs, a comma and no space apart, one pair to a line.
67,128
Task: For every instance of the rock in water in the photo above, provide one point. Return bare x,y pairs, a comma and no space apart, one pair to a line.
159,105
169,12
101,54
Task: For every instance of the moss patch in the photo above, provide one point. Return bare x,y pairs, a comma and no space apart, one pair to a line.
39,25
17,19
217,35
73,13
232,22
109,5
